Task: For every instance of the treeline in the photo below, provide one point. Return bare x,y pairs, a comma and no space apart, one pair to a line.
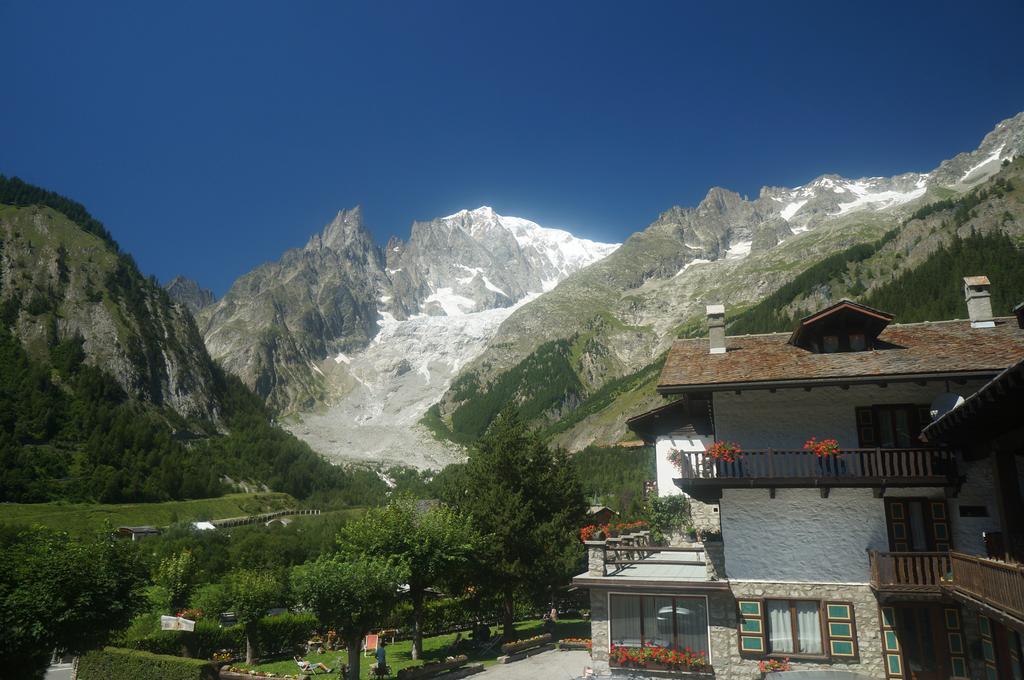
615,476
69,432
934,290
15,191
928,292
542,382
963,206
769,314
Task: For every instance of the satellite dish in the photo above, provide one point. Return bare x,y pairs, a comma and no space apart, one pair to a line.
944,403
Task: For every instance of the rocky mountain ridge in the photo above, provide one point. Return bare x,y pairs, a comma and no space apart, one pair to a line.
618,315
292,329
187,292
59,282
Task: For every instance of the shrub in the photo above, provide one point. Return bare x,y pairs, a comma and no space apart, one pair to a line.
113,663
283,634
275,635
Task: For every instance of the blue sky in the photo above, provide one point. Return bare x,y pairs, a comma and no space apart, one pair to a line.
210,136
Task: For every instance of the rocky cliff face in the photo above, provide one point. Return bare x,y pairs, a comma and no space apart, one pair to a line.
187,292
355,344
621,313
279,321
57,281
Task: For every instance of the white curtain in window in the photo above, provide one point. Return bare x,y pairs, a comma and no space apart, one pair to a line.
780,628
658,620
625,620
808,626
692,624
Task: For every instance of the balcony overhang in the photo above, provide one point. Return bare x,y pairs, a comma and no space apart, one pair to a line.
772,469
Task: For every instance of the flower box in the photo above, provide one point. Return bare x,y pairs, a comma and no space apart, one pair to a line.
575,643
654,657
822,448
529,643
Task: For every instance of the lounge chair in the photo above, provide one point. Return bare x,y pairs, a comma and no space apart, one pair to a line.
308,668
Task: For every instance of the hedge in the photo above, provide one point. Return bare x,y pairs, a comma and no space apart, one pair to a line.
275,635
113,663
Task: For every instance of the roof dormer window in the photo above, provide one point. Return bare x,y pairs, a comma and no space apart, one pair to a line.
844,327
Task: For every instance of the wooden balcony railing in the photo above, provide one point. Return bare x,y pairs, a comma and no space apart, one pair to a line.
909,571
997,584
796,468
992,583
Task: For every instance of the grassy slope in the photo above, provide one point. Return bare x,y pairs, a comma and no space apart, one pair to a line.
79,518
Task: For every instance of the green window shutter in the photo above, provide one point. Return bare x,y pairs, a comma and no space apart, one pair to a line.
988,648
941,534
896,521
751,633
891,644
866,427
842,630
955,638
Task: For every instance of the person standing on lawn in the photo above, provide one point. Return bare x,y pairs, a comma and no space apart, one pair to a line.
382,658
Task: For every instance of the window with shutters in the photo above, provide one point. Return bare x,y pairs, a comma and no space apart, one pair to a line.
795,628
891,426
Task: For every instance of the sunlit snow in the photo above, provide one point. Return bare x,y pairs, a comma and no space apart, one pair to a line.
791,209
994,156
867,197
689,264
738,250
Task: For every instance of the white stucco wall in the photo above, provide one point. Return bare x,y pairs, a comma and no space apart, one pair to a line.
978,489
798,536
759,419
664,445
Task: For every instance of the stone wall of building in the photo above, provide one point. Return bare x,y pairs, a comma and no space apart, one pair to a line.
869,639
723,622
599,634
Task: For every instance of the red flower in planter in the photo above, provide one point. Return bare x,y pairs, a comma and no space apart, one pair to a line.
651,653
823,448
769,665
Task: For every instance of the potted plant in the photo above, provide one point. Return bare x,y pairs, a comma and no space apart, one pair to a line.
828,453
774,666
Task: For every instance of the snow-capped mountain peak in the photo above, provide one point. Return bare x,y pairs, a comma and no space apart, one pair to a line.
474,260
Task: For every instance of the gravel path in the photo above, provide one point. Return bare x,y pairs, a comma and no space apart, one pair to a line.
553,665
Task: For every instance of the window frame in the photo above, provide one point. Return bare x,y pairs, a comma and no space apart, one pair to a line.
794,630
674,596
916,420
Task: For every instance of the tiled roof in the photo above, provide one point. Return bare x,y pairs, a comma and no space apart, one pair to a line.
947,348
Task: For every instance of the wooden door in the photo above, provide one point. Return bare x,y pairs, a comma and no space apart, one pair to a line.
922,635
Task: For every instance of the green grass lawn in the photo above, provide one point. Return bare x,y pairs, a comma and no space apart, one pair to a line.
80,518
434,649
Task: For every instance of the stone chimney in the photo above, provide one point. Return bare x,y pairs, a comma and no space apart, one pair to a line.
1018,312
716,328
979,301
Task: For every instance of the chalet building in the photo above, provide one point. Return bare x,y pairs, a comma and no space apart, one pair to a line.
886,558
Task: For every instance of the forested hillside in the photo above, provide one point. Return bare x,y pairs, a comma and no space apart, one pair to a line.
76,315
915,271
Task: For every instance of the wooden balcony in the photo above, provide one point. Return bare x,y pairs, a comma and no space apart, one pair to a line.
772,469
993,586
909,573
